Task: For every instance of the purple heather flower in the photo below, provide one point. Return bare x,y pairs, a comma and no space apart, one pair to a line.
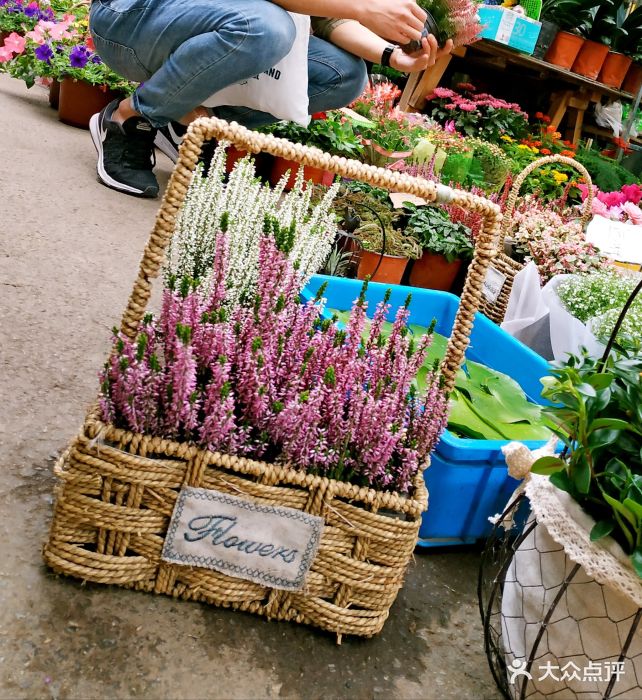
44,53
79,56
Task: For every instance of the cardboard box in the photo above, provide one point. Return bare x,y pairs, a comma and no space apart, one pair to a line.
509,28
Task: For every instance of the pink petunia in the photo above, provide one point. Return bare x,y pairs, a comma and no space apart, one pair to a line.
5,54
15,43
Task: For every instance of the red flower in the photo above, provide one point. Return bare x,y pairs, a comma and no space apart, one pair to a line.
545,152
319,115
89,43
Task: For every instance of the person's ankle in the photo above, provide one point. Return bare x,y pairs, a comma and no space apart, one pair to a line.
124,111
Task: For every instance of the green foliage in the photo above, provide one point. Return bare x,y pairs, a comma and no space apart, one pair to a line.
438,234
335,134
597,413
607,174
608,23
570,15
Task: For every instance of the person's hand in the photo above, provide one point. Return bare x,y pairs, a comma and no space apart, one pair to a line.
400,21
422,59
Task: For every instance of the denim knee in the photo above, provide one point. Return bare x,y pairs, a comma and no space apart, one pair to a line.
274,37
353,80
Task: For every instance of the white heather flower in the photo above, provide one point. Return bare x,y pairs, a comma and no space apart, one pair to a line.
247,201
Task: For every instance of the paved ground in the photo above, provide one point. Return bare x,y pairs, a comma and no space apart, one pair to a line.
69,250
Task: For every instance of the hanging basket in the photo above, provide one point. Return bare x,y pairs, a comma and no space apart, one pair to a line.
502,271
117,490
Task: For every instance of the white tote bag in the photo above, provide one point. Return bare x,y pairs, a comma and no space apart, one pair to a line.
281,91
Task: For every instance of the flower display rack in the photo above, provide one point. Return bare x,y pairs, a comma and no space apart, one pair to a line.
117,490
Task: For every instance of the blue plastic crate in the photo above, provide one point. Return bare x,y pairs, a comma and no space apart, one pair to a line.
467,480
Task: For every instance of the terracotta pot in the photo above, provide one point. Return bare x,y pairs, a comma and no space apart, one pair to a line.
54,94
633,79
233,155
614,69
590,59
564,49
316,175
79,101
389,268
433,271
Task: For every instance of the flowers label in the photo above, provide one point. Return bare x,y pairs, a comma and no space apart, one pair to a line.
493,285
247,539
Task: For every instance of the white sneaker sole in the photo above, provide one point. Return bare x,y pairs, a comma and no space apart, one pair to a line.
103,176
166,146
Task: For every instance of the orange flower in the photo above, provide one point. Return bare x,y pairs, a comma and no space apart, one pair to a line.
568,154
546,119
550,129
537,144
545,152
557,135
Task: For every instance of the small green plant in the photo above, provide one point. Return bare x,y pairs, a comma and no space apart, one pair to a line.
437,234
597,413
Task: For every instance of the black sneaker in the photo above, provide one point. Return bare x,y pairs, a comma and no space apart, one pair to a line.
169,138
125,153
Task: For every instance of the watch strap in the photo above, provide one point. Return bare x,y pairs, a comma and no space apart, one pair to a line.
387,53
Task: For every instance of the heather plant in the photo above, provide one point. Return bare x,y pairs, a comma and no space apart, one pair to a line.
271,379
243,201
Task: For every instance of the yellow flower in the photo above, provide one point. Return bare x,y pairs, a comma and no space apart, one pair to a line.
535,150
524,147
559,177
507,138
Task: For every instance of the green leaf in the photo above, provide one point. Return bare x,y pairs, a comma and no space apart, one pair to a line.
611,423
582,475
636,561
587,390
463,420
620,508
547,465
602,437
562,481
600,381
601,529
635,508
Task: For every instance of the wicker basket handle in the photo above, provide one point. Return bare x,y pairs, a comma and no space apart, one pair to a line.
207,128
521,178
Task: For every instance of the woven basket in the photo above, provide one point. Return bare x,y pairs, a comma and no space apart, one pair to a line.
504,264
117,490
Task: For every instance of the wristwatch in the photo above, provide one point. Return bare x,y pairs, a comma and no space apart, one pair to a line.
387,53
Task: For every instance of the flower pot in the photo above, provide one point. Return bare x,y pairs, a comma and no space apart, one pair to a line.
433,271
590,59
633,79
54,93
280,166
386,268
233,155
80,100
547,34
564,49
430,27
615,69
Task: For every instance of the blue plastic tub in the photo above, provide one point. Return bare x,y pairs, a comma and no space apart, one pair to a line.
467,479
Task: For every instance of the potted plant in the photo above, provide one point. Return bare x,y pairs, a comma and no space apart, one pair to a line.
626,46
445,244
379,229
587,516
456,20
574,19
332,132
606,30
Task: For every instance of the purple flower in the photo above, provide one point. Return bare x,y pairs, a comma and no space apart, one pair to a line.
79,56
96,59
46,15
44,53
32,10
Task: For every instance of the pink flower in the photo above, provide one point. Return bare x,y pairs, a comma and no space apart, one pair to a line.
443,93
633,193
598,207
14,42
467,107
633,212
449,127
5,54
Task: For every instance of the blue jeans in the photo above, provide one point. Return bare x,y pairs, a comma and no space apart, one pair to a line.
183,51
